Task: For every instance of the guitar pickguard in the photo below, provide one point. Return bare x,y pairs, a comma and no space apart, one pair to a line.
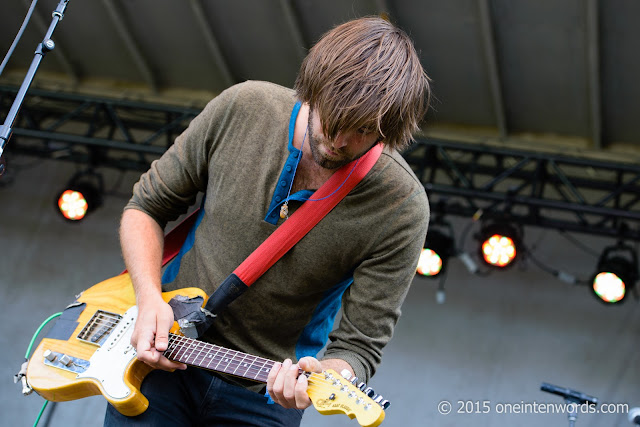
109,362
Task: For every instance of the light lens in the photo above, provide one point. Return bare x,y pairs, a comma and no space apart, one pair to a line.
498,250
73,205
430,263
609,287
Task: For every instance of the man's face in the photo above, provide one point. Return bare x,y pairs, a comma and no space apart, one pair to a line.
346,147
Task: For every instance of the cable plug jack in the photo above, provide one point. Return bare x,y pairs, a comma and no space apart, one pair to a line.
22,376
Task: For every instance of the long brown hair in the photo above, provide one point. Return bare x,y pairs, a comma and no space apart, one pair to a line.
366,74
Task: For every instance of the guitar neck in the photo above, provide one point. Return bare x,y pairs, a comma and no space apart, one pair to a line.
215,358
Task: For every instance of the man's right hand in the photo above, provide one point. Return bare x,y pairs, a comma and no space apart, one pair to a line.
151,334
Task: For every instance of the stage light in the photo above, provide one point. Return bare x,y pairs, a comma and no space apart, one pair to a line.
616,275
81,196
438,248
499,244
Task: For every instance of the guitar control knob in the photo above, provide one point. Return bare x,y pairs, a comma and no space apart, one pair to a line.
65,360
49,355
369,392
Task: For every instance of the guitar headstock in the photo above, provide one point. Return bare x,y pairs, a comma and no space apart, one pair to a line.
332,393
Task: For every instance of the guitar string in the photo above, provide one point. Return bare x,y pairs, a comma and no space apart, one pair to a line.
232,359
101,321
187,347
229,355
318,380
233,364
201,346
92,325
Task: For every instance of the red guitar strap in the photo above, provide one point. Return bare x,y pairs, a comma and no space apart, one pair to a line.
306,217
175,238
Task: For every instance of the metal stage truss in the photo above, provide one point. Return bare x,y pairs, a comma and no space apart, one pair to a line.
532,188
122,134
464,179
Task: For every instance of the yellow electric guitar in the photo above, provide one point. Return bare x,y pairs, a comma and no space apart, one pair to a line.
97,358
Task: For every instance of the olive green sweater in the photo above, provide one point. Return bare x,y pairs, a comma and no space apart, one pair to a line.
361,256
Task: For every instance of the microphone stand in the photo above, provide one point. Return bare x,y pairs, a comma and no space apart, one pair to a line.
573,398
45,46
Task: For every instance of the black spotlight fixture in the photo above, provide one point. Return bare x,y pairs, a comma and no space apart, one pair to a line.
438,248
500,244
81,196
616,274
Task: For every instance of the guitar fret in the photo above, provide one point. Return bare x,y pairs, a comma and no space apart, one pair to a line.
218,355
204,349
229,361
239,364
250,366
190,351
171,347
196,359
263,368
206,355
217,368
235,362
177,347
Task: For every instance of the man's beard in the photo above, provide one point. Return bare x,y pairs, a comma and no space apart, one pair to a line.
318,157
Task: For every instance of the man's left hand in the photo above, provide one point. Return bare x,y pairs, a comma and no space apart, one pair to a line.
288,387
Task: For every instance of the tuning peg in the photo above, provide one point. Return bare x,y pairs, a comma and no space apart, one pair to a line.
381,401
362,386
369,392
353,380
346,374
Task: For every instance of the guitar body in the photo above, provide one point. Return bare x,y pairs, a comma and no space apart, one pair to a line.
114,295
97,358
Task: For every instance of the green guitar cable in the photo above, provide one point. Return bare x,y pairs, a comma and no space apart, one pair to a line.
33,339
26,356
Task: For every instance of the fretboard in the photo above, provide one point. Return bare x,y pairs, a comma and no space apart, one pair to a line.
215,358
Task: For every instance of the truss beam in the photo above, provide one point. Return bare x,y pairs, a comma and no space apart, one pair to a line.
546,190
121,133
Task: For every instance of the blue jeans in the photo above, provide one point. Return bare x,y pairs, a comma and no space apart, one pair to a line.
196,397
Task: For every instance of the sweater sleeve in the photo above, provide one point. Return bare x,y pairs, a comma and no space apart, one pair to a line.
173,181
371,306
